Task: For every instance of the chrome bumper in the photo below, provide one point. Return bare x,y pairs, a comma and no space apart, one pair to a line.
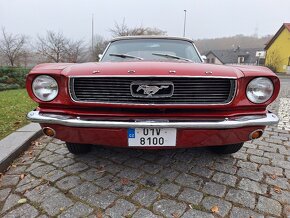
227,123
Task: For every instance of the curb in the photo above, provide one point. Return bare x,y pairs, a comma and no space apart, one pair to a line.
16,143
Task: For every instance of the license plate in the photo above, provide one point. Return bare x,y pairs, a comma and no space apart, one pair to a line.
150,137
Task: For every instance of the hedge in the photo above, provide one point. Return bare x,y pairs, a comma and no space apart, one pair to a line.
12,77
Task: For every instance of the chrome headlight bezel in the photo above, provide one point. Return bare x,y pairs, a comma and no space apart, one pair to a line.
260,90
45,88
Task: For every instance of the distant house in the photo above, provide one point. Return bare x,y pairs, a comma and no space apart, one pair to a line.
250,56
278,50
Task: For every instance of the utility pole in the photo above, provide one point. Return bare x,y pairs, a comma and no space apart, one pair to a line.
184,27
92,34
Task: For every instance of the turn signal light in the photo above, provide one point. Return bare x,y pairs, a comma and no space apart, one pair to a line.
48,131
256,134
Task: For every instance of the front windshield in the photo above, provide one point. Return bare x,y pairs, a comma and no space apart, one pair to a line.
151,49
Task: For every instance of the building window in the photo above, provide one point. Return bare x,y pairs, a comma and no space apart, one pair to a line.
241,60
213,60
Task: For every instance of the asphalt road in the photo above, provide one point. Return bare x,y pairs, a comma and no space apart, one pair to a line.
49,181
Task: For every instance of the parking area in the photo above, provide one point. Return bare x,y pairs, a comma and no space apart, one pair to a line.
255,182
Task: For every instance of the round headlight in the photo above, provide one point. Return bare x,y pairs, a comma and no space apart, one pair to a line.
260,90
45,88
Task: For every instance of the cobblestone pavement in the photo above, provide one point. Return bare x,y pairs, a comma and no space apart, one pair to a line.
48,181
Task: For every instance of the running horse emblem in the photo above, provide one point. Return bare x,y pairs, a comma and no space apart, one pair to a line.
151,90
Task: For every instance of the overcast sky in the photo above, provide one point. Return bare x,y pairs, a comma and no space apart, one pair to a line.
205,18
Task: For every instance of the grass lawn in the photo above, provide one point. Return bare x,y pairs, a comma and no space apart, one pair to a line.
14,105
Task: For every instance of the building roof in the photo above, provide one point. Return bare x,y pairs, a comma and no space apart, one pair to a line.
230,56
284,26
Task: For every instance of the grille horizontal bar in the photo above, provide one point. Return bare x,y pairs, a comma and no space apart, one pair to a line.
189,90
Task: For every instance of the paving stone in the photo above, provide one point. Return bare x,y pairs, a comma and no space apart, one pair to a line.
106,181
9,180
286,211
33,166
224,206
202,171
24,211
92,174
121,208
224,178
169,189
252,186
268,205
44,153
10,202
214,189
226,168
180,166
40,193
4,193
168,174
249,145
190,196
54,204
75,168
54,175
196,214
42,170
248,165
151,168
253,175
280,182
152,181
52,147
16,170
168,208
240,155
273,155
135,162
271,170
146,197
62,151
103,199
241,197
27,183
85,191
130,173
52,158
63,162
283,197
281,163
259,160
113,168
144,214
244,213
189,181
124,188
287,174
255,151
77,210
68,182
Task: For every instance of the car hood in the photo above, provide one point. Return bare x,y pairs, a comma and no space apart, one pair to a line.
150,68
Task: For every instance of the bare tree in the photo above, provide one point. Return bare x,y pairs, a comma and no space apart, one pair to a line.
123,30
100,45
53,46
12,47
74,51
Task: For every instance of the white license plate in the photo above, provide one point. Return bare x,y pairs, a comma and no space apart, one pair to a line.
150,137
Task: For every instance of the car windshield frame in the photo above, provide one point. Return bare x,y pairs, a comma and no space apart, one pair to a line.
173,49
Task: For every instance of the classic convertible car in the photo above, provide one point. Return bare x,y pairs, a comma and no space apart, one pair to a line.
152,92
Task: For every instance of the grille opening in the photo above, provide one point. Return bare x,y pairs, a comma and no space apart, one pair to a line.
187,90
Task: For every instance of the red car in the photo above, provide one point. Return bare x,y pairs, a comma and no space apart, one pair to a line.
152,92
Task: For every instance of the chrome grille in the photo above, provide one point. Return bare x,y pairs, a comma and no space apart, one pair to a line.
187,90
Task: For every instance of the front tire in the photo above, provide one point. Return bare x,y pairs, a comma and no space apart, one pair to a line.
75,148
227,149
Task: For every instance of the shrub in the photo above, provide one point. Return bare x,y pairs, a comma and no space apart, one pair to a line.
12,78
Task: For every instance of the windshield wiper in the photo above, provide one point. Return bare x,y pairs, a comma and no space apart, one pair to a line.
125,56
171,56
